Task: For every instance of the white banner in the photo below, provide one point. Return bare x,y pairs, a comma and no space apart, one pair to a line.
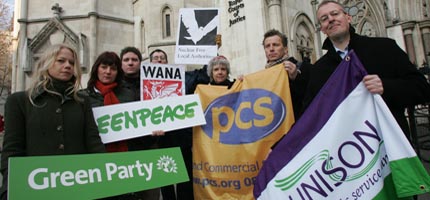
129,120
197,29
161,81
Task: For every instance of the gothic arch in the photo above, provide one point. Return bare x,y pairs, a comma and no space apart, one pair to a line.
54,32
302,39
367,16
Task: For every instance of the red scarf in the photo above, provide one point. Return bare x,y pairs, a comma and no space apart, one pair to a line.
110,98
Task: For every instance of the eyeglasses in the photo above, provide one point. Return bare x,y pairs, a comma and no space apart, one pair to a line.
333,14
158,58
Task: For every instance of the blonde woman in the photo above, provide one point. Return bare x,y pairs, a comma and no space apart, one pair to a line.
50,118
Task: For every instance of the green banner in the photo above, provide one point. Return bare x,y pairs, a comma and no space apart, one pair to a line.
91,176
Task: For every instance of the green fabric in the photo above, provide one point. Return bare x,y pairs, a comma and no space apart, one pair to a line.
388,193
410,177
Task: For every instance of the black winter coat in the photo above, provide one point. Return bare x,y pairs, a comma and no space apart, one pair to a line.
403,84
59,126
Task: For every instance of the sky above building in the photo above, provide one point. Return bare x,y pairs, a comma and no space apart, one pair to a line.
11,4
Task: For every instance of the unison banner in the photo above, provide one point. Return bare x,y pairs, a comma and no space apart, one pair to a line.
346,145
91,176
242,124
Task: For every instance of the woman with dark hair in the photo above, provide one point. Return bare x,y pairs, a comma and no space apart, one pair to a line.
104,88
109,65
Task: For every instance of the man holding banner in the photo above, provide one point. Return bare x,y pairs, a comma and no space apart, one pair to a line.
276,50
131,59
175,138
354,148
391,74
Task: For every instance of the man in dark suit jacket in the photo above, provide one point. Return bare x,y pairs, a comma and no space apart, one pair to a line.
390,73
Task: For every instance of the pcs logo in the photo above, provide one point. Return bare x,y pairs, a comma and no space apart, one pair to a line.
244,117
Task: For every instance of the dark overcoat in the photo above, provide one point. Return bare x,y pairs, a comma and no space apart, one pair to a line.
53,126
403,84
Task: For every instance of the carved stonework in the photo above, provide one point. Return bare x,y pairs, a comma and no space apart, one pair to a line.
362,18
368,29
425,9
304,42
56,32
356,9
51,27
57,10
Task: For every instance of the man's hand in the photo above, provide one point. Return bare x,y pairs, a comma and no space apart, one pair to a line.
291,69
218,40
158,133
374,84
240,77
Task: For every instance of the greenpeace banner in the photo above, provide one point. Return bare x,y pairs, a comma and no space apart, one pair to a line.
160,81
91,176
242,124
129,120
346,145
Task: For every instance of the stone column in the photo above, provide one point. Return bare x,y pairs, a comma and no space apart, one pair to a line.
407,33
318,45
23,61
138,33
275,14
93,31
425,31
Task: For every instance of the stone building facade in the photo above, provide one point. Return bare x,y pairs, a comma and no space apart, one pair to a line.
94,26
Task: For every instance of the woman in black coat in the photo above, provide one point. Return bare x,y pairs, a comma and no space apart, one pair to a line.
50,118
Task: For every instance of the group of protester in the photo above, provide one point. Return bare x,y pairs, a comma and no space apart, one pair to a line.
68,126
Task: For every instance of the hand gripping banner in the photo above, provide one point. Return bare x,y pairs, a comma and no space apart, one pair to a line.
346,145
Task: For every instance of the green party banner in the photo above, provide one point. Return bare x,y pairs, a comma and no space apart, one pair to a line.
91,176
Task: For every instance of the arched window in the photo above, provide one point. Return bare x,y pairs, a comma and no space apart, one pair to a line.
167,22
305,44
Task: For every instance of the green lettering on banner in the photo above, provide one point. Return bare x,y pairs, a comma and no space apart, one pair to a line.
94,175
157,115
117,121
130,120
189,111
102,123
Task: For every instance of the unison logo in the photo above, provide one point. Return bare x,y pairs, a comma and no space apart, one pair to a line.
244,117
358,160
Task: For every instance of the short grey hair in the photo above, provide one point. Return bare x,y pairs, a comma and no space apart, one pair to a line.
324,2
218,60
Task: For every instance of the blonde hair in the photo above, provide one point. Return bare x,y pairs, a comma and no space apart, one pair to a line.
42,79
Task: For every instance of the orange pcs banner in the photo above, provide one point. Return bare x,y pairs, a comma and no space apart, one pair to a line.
242,124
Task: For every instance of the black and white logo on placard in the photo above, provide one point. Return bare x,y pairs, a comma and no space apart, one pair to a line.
198,27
